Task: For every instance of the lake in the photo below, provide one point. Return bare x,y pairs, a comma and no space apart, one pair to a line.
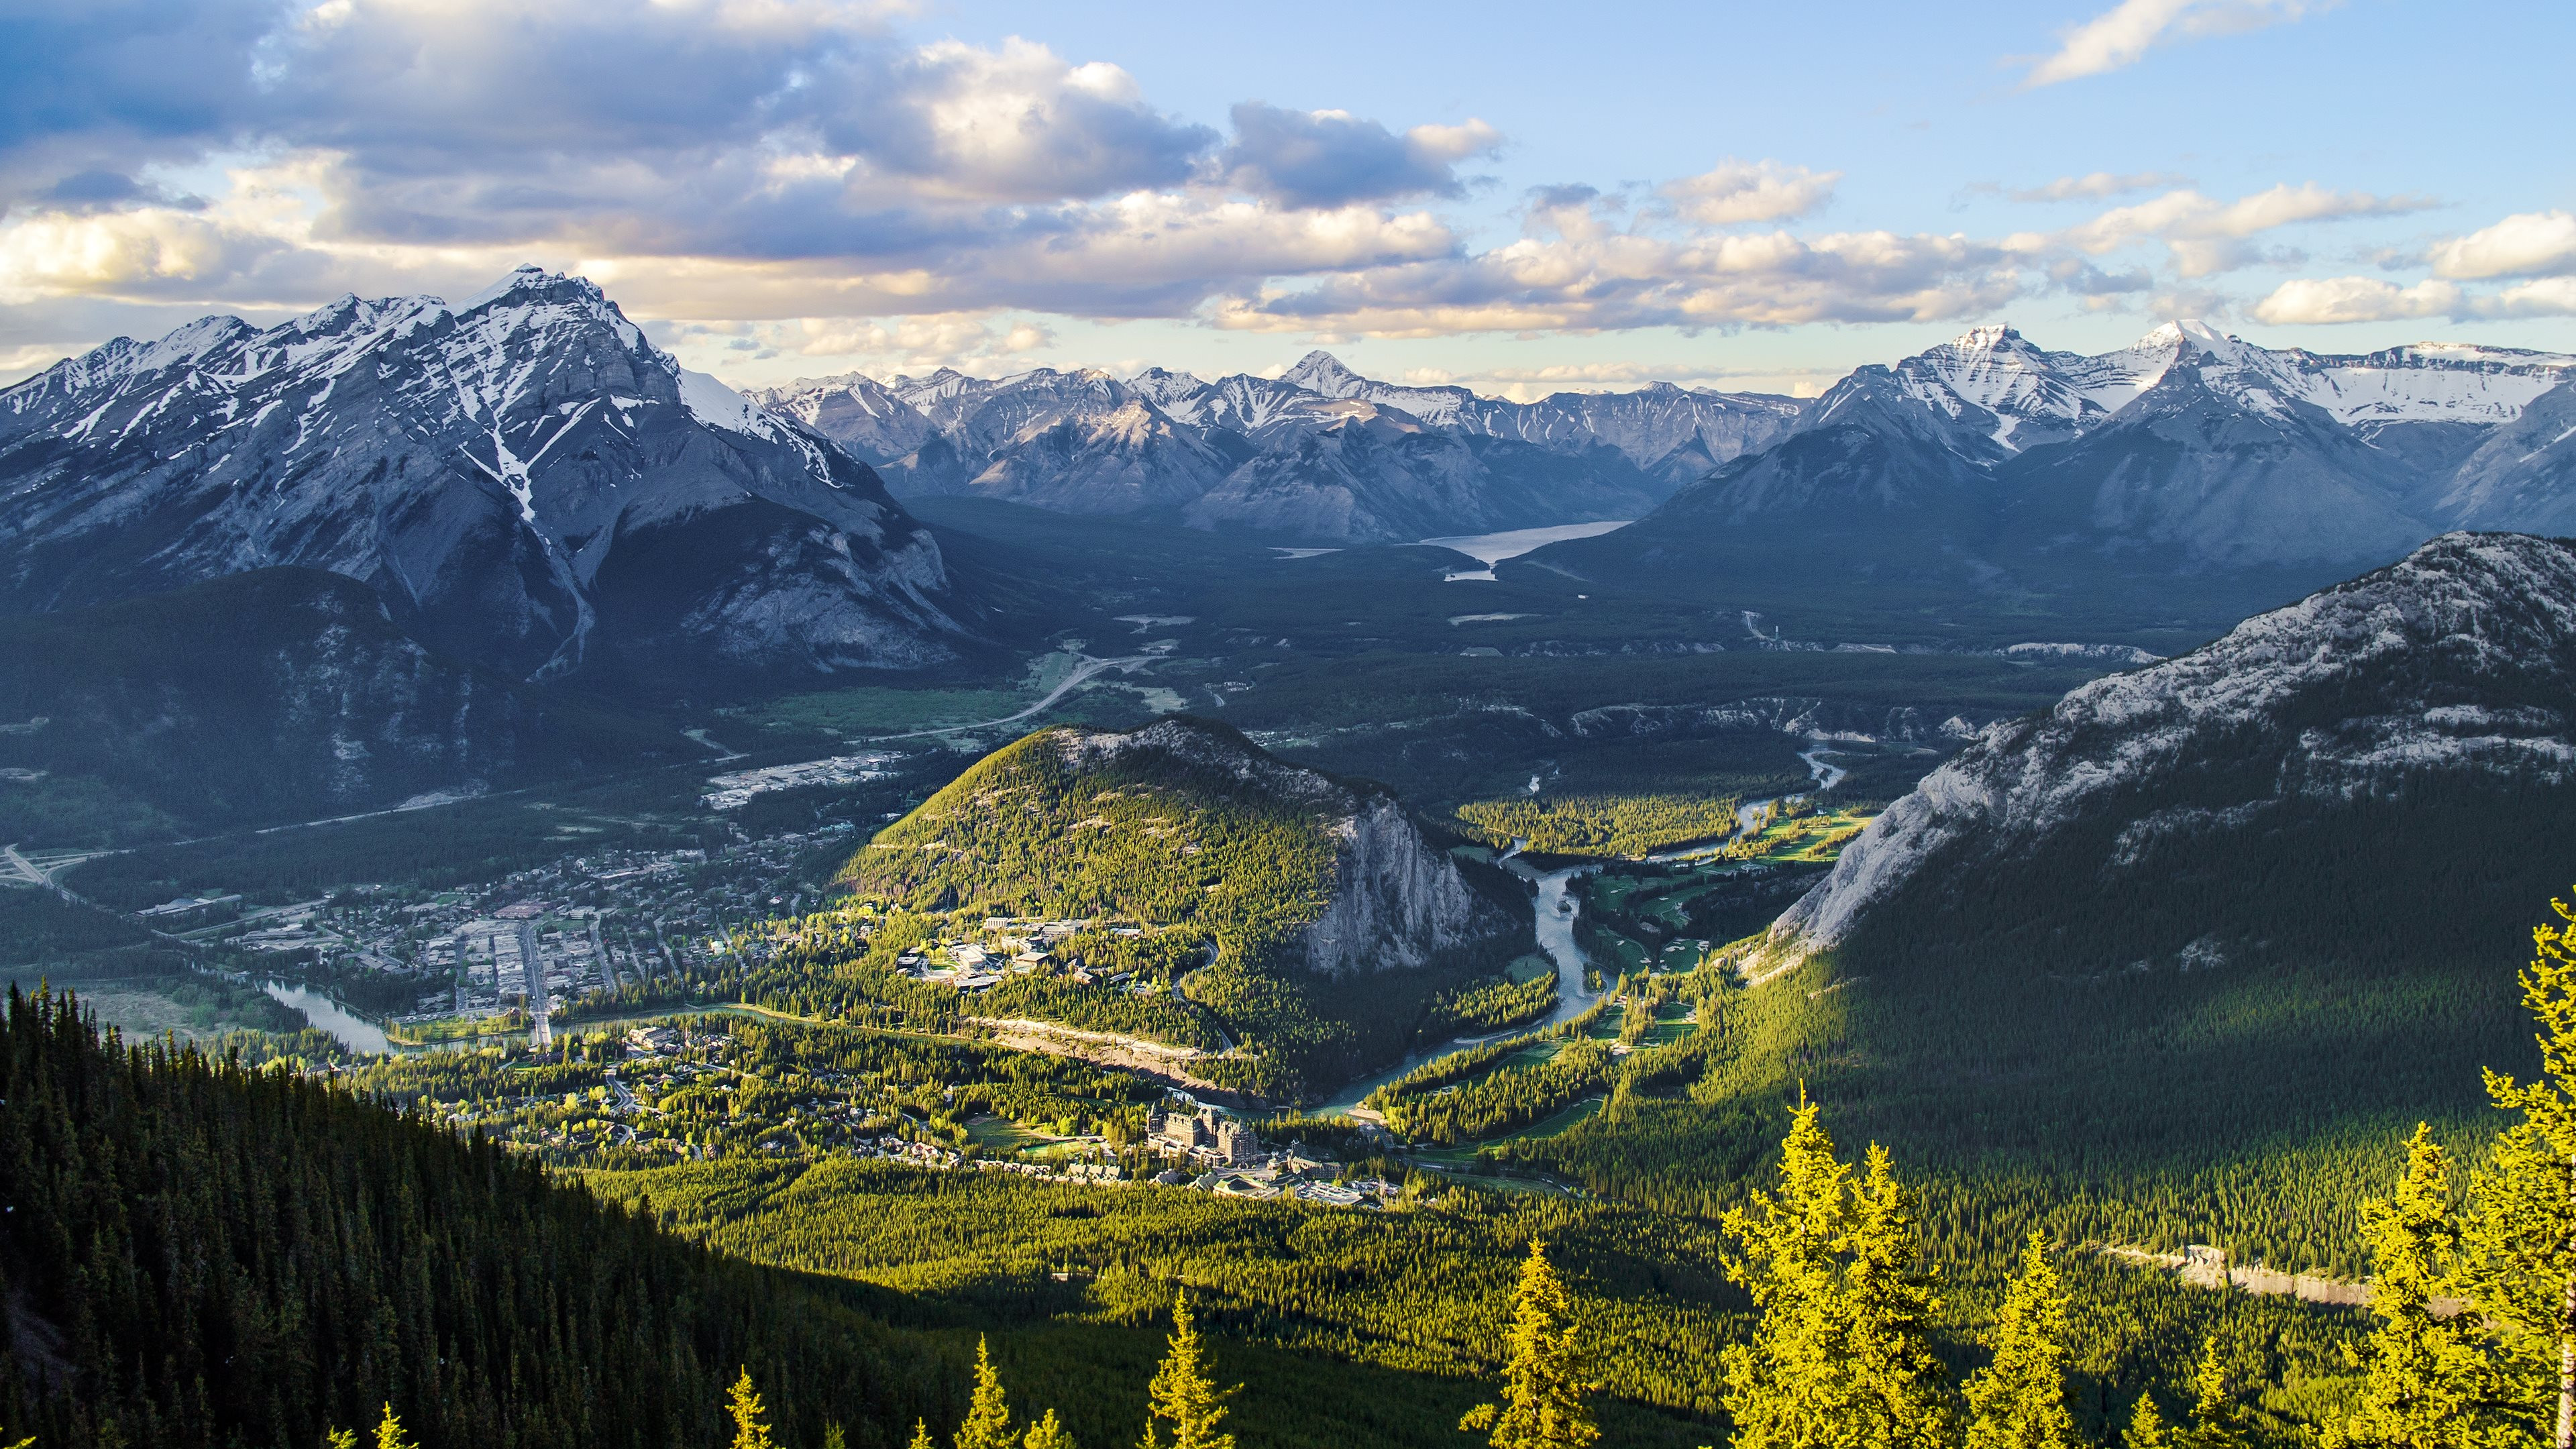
354,1032
1490,549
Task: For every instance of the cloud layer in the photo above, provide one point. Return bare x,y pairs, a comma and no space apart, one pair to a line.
793,177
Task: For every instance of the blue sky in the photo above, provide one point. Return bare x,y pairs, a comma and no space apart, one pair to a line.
1518,197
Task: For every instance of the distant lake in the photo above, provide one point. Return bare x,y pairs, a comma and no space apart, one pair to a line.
1490,549
354,1032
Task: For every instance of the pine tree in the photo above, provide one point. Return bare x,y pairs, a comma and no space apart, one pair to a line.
2217,1420
1182,1392
988,1418
389,1432
1785,1387
2426,1381
749,1431
1047,1433
2146,1427
332,1438
921,1435
1543,1379
2521,1236
2019,1400
1841,1353
834,1438
1890,1306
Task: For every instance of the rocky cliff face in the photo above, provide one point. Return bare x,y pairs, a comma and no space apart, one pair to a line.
526,480
2375,707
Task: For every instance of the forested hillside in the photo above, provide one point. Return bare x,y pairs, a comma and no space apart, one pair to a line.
198,1255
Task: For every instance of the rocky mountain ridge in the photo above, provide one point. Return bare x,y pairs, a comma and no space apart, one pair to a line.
526,480
2190,464
1318,454
2450,671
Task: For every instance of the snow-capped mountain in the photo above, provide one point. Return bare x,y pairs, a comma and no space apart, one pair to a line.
2339,737
1086,442
527,481
1990,465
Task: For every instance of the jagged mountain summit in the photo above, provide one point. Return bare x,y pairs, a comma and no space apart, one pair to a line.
526,480
2191,461
1269,455
2287,788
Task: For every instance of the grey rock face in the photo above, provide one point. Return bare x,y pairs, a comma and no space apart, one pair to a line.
526,480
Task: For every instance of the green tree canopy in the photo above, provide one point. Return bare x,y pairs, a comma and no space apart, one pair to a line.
2019,1400
1544,1383
1182,1394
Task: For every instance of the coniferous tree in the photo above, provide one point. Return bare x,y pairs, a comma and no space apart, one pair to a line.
750,1431
988,1417
1048,1433
1841,1353
332,1438
921,1435
1890,1306
1183,1394
389,1432
1543,1372
2146,1427
2426,1382
2521,1238
1786,1387
2019,1400
2218,1421
834,1438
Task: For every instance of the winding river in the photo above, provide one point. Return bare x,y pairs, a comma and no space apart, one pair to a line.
1554,913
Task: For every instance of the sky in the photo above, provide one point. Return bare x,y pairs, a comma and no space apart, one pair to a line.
1516,197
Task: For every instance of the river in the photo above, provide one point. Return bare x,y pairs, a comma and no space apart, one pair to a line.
1554,929
354,1032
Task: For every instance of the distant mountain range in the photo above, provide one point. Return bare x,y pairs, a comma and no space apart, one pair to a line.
527,482
1991,468
1319,455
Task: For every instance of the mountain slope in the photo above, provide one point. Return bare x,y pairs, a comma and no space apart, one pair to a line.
279,694
2185,956
199,1255
528,482
1327,914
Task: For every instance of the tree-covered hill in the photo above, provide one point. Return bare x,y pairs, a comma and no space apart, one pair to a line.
1327,917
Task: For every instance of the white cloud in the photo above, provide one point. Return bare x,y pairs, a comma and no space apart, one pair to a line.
2206,237
2532,244
2312,301
2547,297
2098,186
2123,34
1741,191
1606,280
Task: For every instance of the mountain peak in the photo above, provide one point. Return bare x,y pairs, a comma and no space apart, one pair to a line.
2192,330
1986,339
1321,372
